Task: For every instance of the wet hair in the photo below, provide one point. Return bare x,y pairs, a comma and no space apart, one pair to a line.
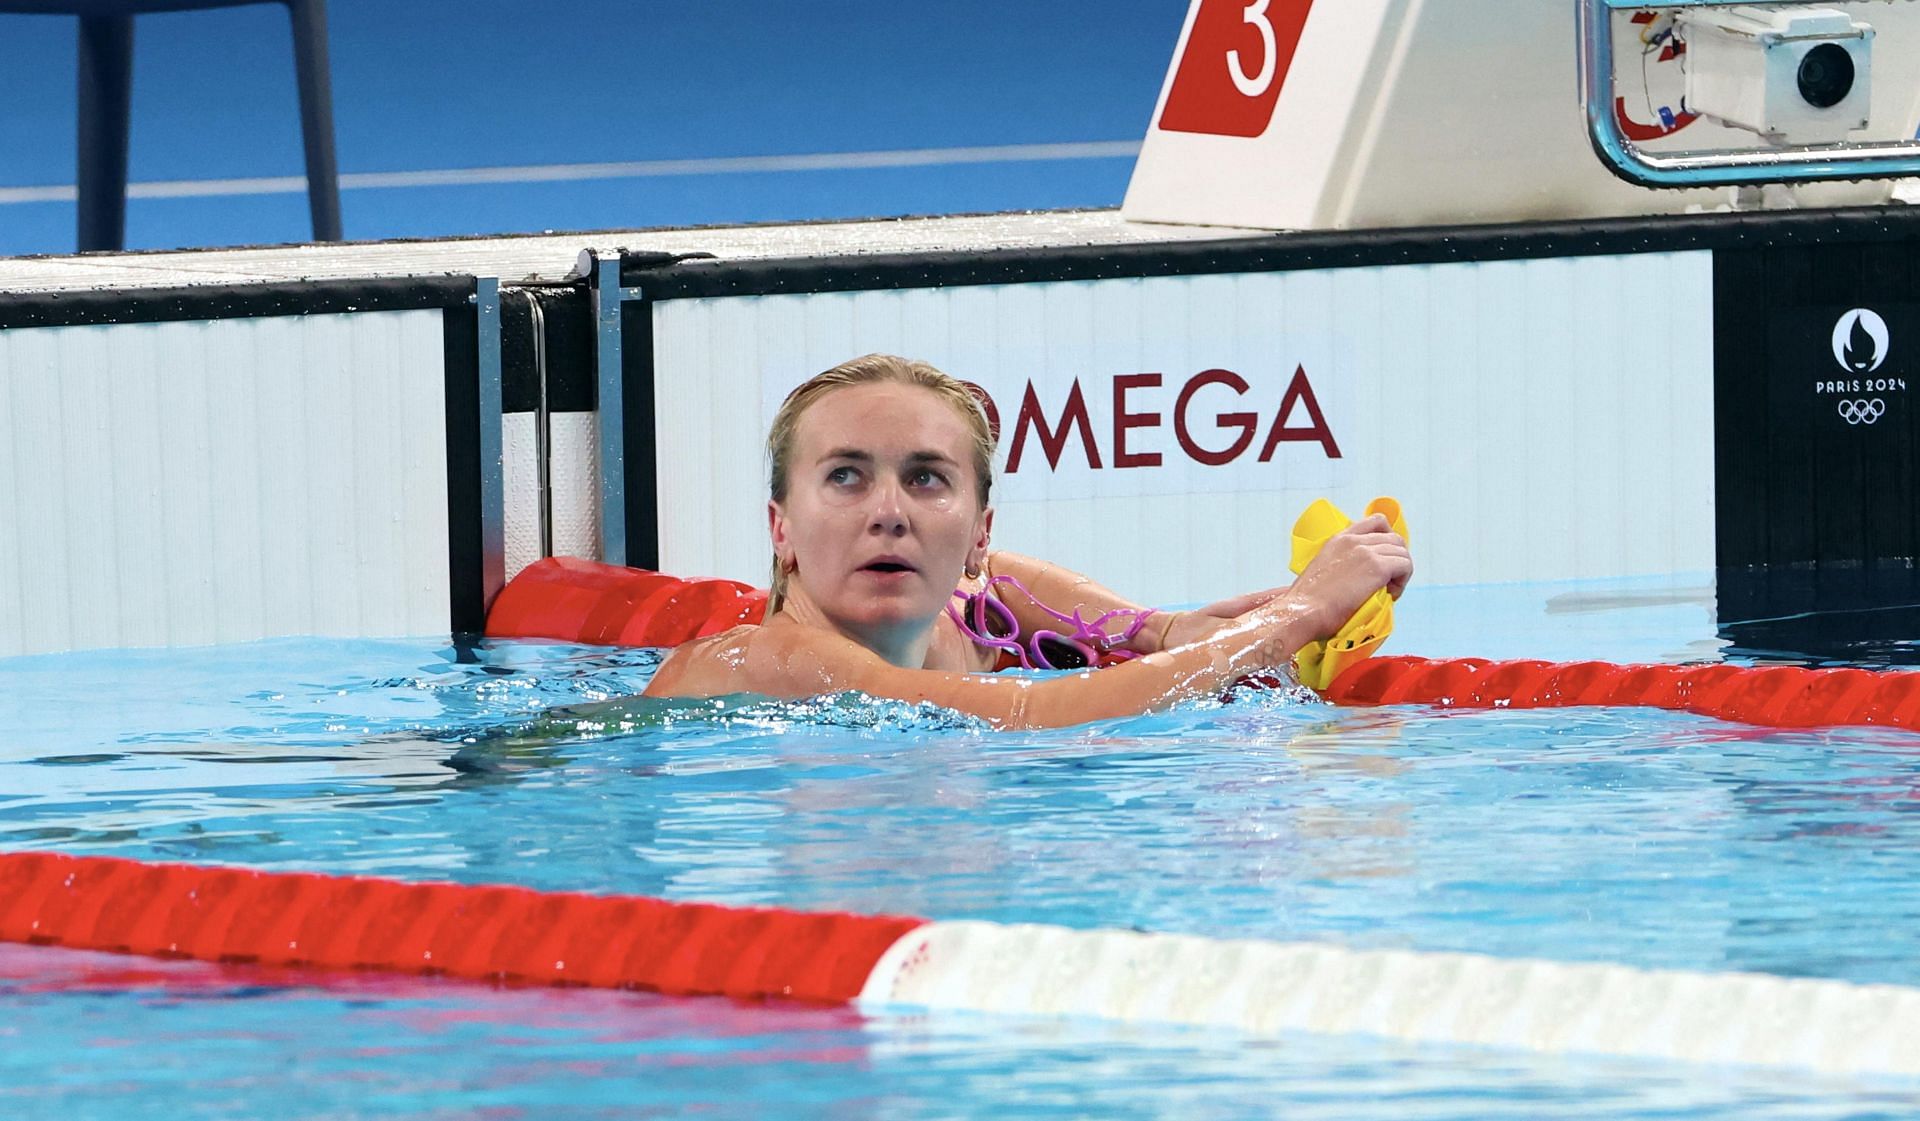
871,369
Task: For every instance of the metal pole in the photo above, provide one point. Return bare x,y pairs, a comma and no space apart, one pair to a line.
106,102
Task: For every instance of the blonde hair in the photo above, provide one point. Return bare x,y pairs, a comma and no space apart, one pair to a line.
871,369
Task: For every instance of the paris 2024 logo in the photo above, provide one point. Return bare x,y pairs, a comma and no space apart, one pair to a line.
1861,343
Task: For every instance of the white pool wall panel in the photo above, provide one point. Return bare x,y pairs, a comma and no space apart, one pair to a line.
573,479
196,482
1542,419
574,474
520,482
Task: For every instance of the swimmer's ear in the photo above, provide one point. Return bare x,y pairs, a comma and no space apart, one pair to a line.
977,555
777,531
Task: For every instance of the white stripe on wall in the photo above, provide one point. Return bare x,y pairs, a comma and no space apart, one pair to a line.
200,482
624,169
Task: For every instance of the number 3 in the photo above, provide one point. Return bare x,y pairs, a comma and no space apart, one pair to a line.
1256,14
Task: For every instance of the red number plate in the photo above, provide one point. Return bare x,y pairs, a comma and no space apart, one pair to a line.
1235,63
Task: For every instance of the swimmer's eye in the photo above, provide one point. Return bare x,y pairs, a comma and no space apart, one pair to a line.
843,476
926,477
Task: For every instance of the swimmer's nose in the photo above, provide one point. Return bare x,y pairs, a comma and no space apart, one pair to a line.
889,515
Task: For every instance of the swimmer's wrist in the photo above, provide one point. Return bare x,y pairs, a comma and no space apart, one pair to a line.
1185,628
1287,625
1166,629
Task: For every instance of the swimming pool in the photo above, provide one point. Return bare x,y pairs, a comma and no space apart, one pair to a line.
1630,836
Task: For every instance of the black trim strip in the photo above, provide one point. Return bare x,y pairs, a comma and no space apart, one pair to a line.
466,573
1267,253
1743,436
230,301
641,457
568,314
519,380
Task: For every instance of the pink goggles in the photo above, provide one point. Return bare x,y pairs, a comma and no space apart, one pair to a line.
1079,643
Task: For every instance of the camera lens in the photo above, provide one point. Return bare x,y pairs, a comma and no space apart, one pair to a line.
1826,76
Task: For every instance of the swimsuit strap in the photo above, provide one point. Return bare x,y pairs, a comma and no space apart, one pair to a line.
1090,635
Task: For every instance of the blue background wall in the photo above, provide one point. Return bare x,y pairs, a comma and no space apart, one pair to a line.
445,84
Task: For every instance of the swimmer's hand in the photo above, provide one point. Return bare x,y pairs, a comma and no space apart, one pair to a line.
1364,546
1353,564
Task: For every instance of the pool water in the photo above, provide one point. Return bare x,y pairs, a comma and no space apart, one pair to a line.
1630,836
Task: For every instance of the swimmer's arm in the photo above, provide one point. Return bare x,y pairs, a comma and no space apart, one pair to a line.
1067,591
794,662
786,659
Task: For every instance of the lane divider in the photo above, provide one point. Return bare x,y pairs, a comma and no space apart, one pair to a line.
1771,696
584,601
479,933
1271,988
510,934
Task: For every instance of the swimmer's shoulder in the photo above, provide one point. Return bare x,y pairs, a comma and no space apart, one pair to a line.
775,659
704,667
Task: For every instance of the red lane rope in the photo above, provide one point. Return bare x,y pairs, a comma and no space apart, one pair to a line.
485,933
1773,696
583,601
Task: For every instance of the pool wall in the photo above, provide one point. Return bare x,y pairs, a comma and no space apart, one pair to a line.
221,464
1613,398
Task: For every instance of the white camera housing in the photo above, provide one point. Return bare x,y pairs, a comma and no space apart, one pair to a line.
1750,67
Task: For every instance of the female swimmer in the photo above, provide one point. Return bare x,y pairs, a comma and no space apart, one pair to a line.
883,581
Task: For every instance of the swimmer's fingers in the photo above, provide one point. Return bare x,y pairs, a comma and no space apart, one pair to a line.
1374,534
1383,539
1400,573
1350,568
1385,554
1393,562
1396,560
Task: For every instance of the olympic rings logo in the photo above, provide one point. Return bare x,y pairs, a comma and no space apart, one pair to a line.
1863,411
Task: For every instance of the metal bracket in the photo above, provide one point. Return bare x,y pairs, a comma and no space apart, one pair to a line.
542,422
602,267
493,534
1888,160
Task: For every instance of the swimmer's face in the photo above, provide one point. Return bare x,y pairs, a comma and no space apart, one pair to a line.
882,513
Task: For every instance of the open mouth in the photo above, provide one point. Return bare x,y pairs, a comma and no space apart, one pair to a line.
887,566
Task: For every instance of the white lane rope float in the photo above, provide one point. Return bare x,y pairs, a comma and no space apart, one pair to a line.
1272,988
